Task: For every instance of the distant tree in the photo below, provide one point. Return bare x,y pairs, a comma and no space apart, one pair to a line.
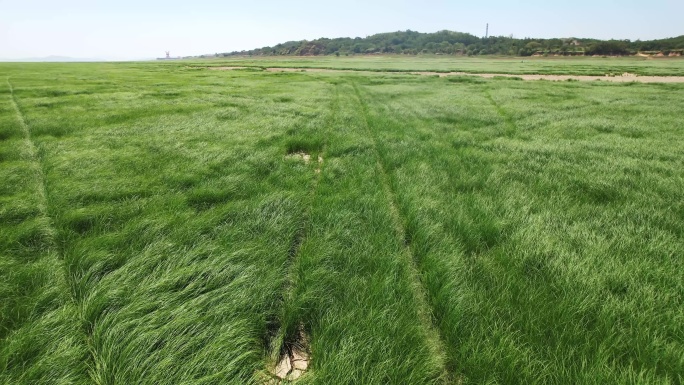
611,47
533,45
525,52
449,42
445,47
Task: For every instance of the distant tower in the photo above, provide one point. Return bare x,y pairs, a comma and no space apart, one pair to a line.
487,32
168,53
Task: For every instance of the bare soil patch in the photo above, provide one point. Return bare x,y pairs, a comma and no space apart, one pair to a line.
626,77
301,155
294,360
320,164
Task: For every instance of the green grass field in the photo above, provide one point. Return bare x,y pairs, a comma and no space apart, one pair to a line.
161,224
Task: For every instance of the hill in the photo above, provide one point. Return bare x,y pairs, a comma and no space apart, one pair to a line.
450,43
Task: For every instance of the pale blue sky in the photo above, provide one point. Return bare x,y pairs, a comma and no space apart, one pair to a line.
136,29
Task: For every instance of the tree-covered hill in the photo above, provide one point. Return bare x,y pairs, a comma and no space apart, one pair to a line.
450,43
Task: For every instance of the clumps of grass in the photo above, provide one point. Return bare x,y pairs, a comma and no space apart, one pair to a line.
252,69
597,192
14,211
6,134
633,133
229,114
465,79
58,130
206,198
7,154
605,125
310,145
283,99
476,230
239,104
515,78
449,119
538,267
56,93
166,94
118,195
617,286
81,222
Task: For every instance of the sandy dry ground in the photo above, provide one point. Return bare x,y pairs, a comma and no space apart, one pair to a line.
626,77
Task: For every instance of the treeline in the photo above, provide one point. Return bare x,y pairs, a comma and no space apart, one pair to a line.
458,43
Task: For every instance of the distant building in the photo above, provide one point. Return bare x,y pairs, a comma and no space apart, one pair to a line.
168,57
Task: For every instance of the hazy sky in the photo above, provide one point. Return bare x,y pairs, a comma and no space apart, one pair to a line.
137,29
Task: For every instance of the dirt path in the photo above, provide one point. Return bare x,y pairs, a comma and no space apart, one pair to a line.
624,78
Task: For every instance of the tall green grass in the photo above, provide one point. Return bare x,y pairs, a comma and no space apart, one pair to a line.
167,225
40,343
548,243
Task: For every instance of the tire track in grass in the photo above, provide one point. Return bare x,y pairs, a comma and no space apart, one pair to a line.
45,212
511,127
424,310
436,266
286,348
33,153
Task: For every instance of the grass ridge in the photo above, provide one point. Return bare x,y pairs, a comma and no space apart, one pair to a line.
512,127
45,212
281,340
425,312
33,151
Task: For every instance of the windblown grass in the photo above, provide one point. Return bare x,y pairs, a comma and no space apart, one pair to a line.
161,225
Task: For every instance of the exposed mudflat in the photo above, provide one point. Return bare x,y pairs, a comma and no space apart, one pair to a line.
624,78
